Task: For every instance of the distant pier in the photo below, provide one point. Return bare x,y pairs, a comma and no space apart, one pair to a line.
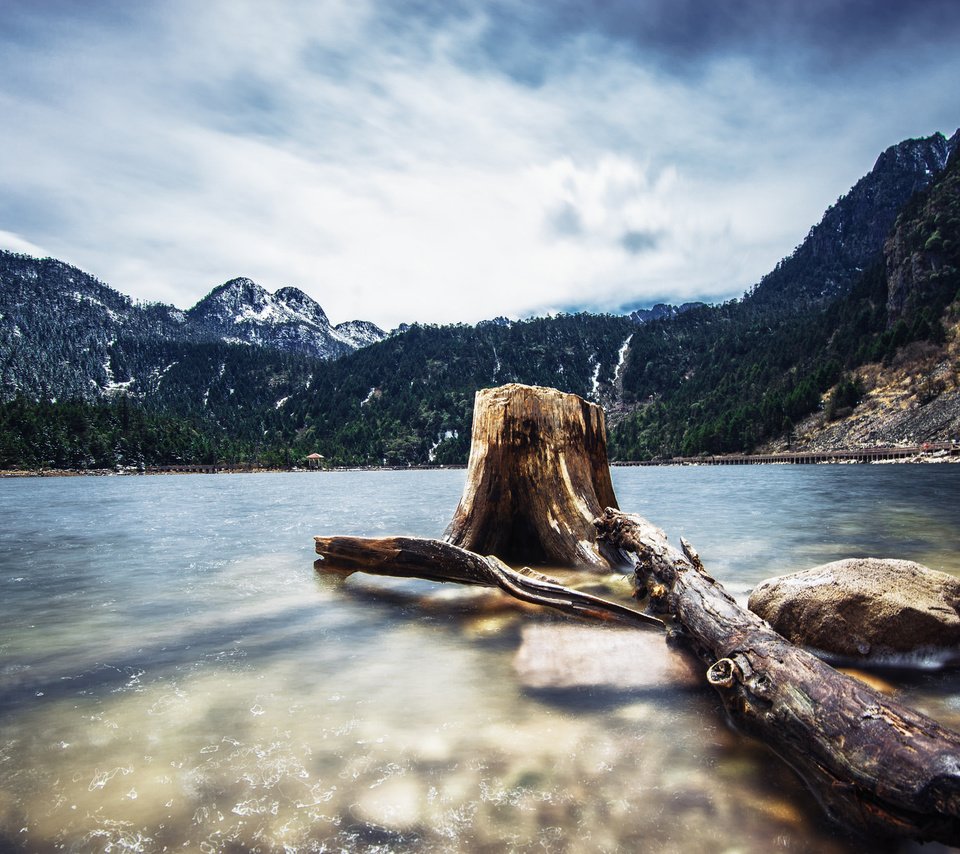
860,455
797,458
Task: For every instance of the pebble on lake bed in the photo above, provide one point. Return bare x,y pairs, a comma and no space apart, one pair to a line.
395,804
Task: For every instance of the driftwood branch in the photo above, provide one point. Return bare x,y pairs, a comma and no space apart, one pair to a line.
435,560
875,765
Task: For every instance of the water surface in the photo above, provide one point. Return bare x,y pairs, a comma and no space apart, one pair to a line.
175,675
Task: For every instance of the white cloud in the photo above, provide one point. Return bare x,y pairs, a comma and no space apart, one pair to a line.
16,243
372,165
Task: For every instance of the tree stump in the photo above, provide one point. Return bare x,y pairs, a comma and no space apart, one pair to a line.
537,478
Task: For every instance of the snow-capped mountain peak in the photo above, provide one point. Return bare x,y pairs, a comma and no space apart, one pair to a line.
303,305
244,312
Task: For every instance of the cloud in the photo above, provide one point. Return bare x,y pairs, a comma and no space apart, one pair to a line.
450,161
15,243
638,242
685,37
564,221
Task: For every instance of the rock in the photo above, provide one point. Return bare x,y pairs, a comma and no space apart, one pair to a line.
864,607
561,655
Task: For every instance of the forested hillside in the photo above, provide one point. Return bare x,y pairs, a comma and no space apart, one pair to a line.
851,233
64,334
409,399
78,434
726,378
406,400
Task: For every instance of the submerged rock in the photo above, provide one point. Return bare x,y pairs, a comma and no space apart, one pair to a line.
864,608
561,655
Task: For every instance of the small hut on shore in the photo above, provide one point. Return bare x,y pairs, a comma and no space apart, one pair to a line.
315,461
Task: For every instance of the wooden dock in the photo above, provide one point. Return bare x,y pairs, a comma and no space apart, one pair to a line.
859,455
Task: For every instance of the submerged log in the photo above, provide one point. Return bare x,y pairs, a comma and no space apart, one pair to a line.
537,478
874,764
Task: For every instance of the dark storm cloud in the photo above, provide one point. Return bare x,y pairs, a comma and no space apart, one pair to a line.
681,37
839,31
544,154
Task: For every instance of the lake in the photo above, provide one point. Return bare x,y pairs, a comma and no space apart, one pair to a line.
174,673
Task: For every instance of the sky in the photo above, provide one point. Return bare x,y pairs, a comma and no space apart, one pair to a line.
452,161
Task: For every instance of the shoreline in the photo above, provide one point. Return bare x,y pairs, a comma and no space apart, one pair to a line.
151,471
869,456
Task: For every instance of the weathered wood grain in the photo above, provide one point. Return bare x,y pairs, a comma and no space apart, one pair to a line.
537,478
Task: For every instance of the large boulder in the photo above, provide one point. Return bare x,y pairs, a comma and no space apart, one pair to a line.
864,607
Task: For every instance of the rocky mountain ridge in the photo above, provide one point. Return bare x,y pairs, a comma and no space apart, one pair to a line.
922,253
721,379
852,231
63,333
913,400
912,395
660,311
242,312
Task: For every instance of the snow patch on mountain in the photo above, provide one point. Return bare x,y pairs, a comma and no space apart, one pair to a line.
441,437
621,360
595,379
359,333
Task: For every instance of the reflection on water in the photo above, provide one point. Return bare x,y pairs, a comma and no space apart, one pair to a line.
174,674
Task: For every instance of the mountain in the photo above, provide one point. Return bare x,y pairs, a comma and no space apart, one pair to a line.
359,333
728,378
922,253
409,399
909,383
57,325
241,372
65,334
660,311
405,400
851,233
242,312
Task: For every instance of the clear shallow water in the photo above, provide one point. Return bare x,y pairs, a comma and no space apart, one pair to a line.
174,673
